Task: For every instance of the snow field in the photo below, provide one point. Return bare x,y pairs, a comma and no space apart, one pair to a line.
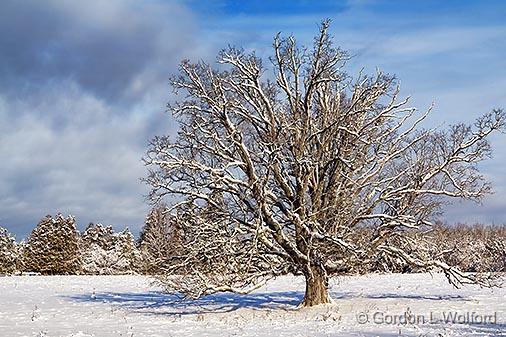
370,305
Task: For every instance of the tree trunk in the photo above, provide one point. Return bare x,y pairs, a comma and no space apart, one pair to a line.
317,291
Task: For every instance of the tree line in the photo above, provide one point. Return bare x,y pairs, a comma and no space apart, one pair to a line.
56,247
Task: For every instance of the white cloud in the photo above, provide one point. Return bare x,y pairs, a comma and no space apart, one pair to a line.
83,88
83,91
89,166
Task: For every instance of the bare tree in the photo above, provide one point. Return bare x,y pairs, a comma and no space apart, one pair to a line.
275,176
475,248
160,239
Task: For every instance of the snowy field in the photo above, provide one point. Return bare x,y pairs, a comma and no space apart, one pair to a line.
372,305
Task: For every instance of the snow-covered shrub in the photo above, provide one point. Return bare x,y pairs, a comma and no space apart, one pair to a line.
476,248
9,253
52,247
107,253
471,248
160,239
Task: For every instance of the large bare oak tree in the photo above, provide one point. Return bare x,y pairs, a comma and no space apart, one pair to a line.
276,174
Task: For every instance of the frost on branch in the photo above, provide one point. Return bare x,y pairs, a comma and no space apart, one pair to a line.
273,176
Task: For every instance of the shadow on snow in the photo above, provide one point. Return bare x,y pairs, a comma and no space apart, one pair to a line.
159,303
170,304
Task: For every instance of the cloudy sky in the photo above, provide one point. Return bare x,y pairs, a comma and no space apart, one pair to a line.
83,86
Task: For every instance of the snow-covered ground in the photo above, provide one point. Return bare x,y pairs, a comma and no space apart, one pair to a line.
372,305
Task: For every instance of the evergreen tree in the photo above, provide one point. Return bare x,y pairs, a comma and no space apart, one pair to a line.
126,254
9,253
96,243
107,253
99,235
52,247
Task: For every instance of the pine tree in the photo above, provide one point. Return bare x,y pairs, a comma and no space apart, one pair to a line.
127,257
102,236
9,253
96,243
52,247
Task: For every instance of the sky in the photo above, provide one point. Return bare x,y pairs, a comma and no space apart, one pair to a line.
84,84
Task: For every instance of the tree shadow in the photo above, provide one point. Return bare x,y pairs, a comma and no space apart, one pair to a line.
446,297
454,329
156,302
171,304
488,329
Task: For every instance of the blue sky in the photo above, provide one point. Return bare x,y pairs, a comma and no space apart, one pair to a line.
83,85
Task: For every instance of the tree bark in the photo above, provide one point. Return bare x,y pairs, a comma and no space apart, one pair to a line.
317,292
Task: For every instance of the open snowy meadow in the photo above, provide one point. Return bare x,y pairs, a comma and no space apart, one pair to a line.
371,305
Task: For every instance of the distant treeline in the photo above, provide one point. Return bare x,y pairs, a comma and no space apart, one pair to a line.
55,246
472,248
